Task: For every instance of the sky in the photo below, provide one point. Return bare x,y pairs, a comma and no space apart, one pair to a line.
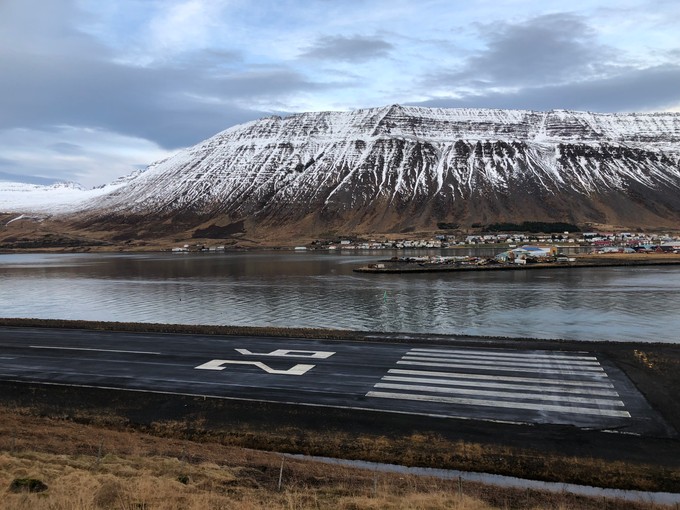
92,90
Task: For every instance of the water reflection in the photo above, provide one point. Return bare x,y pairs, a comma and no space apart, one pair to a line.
320,290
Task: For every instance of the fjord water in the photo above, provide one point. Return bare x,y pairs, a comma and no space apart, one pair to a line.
319,290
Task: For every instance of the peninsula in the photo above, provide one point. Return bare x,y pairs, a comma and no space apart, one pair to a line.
457,264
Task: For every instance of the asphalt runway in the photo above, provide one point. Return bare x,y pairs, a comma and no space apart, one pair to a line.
458,382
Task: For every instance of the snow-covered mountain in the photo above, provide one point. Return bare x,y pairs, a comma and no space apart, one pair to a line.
57,198
397,167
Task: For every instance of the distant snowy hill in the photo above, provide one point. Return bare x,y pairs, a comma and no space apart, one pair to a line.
58,198
397,168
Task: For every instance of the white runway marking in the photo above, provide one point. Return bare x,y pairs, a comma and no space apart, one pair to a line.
500,403
506,354
509,359
500,394
506,362
550,387
500,386
88,349
289,353
532,380
496,368
218,364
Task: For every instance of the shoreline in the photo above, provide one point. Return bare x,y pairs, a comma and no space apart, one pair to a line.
582,261
317,333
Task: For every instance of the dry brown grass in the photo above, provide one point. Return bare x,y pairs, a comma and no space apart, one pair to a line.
84,483
93,467
145,483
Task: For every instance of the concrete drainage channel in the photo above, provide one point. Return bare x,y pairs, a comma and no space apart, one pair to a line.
660,498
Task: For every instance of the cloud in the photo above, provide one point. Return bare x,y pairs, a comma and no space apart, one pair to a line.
182,27
38,27
633,90
6,176
552,62
89,156
173,107
66,148
553,48
348,49
63,76
60,76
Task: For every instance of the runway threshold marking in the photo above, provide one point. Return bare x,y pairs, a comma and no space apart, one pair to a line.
531,380
487,354
504,368
581,361
507,363
498,403
90,349
553,384
503,394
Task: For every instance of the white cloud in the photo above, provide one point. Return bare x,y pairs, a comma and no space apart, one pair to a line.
183,26
87,156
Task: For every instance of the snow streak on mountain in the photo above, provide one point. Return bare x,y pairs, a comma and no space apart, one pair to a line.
395,168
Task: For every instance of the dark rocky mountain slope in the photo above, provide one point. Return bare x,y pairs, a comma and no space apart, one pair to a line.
398,168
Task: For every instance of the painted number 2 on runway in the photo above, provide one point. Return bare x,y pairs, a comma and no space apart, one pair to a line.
299,369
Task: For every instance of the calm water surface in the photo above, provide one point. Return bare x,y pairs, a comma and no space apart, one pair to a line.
320,290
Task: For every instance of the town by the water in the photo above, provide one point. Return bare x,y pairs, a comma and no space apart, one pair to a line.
520,246
595,249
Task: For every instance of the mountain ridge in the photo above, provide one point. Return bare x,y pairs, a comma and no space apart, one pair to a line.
396,168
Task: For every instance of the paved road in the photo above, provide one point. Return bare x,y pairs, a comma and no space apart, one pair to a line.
463,382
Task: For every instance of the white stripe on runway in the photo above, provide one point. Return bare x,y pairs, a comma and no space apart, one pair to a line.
513,359
501,368
501,403
87,349
508,378
501,394
505,363
504,354
547,383
503,386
